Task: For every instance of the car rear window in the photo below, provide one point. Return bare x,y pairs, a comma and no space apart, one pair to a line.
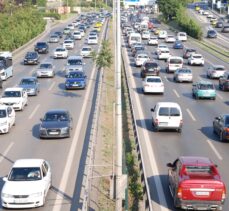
169,111
174,111
175,61
151,65
198,169
154,80
206,86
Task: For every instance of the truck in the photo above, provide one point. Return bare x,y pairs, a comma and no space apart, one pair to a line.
6,66
196,184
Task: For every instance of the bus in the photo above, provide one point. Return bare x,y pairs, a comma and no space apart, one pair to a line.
6,66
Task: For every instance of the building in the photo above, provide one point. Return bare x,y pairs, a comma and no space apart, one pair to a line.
134,3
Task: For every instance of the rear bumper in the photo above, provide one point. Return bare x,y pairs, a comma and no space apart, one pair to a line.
200,205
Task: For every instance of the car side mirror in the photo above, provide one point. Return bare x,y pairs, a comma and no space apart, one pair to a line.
152,109
41,119
170,165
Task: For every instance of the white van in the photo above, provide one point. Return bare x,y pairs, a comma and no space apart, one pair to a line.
174,63
134,38
162,34
182,36
167,115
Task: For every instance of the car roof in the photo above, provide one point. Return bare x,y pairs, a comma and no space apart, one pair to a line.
168,104
195,160
14,89
75,57
28,163
57,111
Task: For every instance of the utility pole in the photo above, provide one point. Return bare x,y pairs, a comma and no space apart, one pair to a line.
118,121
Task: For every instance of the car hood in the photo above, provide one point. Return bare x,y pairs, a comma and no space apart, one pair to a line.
22,187
27,86
3,120
54,124
10,99
44,70
75,80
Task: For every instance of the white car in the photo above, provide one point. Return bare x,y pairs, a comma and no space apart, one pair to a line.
46,69
92,40
153,84
82,32
160,47
196,59
145,35
153,41
16,97
60,52
86,51
7,118
163,54
216,71
141,58
182,36
70,26
170,39
27,184
205,12
162,34
210,15
77,35
68,44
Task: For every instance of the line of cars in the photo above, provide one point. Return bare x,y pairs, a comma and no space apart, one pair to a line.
194,181
29,180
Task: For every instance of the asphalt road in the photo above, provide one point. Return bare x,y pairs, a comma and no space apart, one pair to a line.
66,156
197,137
223,38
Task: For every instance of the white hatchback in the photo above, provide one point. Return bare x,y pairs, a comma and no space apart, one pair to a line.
141,58
153,84
68,44
196,59
92,40
27,184
153,41
182,36
145,35
60,52
7,118
170,39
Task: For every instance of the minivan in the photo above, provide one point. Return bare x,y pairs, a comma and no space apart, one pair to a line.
167,115
174,63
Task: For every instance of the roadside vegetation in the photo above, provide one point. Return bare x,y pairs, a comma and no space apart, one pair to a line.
175,11
19,25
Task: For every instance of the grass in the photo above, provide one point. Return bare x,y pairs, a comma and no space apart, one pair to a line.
67,15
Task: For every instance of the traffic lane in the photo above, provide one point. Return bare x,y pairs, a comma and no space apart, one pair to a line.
137,75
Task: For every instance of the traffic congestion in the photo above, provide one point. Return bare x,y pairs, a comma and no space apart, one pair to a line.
48,96
181,113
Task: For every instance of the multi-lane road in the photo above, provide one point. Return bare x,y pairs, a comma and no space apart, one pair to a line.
197,136
66,156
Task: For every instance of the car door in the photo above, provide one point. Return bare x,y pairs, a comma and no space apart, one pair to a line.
46,176
11,115
174,119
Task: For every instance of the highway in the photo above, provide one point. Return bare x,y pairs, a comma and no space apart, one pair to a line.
197,136
66,156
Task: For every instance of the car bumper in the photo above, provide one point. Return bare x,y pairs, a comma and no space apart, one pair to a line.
200,205
153,90
45,74
22,202
31,92
182,78
59,56
75,86
3,129
48,134
31,62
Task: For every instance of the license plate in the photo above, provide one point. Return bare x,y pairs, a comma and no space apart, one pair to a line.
20,200
75,84
163,123
202,193
53,133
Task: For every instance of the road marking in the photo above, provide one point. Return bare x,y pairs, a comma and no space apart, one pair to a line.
191,115
214,150
166,78
52,85
150,152
174,90
2,156
219,96
34,111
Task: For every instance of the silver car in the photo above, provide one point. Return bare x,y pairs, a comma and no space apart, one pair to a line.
46,69
183,75
216,71
54,38
30,85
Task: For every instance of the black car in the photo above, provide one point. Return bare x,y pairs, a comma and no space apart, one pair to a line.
56,124
58,33
211,33
221,127
150,68
31,58
187,52
41,47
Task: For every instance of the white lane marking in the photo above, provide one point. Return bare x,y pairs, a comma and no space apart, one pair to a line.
34,111
166,78
2,156
214,150
219,96
71,153
52,85
191,115
150,150
176,93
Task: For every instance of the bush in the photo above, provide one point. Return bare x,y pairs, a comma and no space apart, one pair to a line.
52,15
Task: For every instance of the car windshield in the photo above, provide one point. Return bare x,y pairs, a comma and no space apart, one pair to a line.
12,94
219,68
86,49
74,62
68,41
31,55
183,71
206,86
75,75
41,44
27,82
60,49
175,61
49,117
45,66
151,65
2,113
198,169
25,174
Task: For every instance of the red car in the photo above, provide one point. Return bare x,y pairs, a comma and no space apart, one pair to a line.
195,184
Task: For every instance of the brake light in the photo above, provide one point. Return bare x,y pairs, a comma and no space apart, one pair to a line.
156,121
224,195
226,130
179,192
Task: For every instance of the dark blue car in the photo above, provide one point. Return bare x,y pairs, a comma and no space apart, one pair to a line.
178,45
75,80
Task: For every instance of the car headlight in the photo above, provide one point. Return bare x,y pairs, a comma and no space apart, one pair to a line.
6,195
64,129
38,194
42,128
3,123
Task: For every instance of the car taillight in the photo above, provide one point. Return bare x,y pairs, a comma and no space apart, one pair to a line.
179,192
156,121
223,195
226,130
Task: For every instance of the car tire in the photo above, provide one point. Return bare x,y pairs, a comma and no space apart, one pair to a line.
213,98
179,130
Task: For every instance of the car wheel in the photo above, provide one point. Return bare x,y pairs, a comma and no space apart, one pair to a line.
179,130
213,98
221,137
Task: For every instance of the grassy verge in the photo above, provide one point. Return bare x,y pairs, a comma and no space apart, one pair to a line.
67,15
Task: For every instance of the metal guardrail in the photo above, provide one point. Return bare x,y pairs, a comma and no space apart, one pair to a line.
146,190
93,140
